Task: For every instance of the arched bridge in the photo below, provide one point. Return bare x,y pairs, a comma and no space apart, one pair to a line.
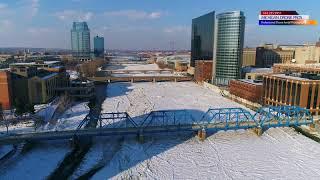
120,123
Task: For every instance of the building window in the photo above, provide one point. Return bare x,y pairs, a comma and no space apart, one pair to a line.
309,97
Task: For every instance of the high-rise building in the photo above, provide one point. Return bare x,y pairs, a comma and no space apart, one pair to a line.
229,46
202,38
98,43
80,41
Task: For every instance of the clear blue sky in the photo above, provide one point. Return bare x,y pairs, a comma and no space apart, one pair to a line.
141,24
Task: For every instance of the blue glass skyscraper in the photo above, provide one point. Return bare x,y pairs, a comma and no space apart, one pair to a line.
98,43
80,41
229,46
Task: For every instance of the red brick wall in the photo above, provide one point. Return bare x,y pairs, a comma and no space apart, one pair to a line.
203,71
5,90
248,91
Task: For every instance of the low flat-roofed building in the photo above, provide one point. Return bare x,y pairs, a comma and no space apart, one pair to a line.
294,90
250,90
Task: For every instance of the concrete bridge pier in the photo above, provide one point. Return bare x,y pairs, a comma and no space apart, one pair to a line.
132,81
154,80
75,141
140,136
258,131
202,134
312,126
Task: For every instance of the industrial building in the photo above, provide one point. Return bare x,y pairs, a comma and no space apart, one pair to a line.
34,84
202,38
296,89
229,46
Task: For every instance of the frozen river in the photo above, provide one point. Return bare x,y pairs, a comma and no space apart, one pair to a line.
279,153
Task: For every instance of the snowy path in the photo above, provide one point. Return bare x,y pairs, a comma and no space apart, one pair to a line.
36,164
278,154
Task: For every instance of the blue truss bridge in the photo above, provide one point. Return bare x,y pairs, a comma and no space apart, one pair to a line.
120,123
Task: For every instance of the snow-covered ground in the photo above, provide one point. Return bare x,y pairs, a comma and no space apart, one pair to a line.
70,119
278,154
5,149
138,99
133,67
36,164
73,74
138,67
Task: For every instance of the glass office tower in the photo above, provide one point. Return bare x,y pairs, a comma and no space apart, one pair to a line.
98,48
80,41
229,46
202,38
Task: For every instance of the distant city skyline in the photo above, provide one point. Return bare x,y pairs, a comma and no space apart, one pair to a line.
141,25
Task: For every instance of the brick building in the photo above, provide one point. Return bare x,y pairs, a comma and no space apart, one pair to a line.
5,90
246,89
282,89
203,71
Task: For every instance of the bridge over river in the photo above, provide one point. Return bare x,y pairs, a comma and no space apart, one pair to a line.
120,123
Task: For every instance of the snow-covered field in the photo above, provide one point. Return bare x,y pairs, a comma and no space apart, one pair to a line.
70,119
138,99
36,164
138,67
278,154
133,67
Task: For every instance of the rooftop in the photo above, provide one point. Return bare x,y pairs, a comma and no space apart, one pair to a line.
250,81
34,63
284,76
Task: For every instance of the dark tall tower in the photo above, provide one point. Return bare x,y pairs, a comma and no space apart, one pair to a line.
98,43
202,38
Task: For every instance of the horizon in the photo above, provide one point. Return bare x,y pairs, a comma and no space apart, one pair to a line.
143,25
